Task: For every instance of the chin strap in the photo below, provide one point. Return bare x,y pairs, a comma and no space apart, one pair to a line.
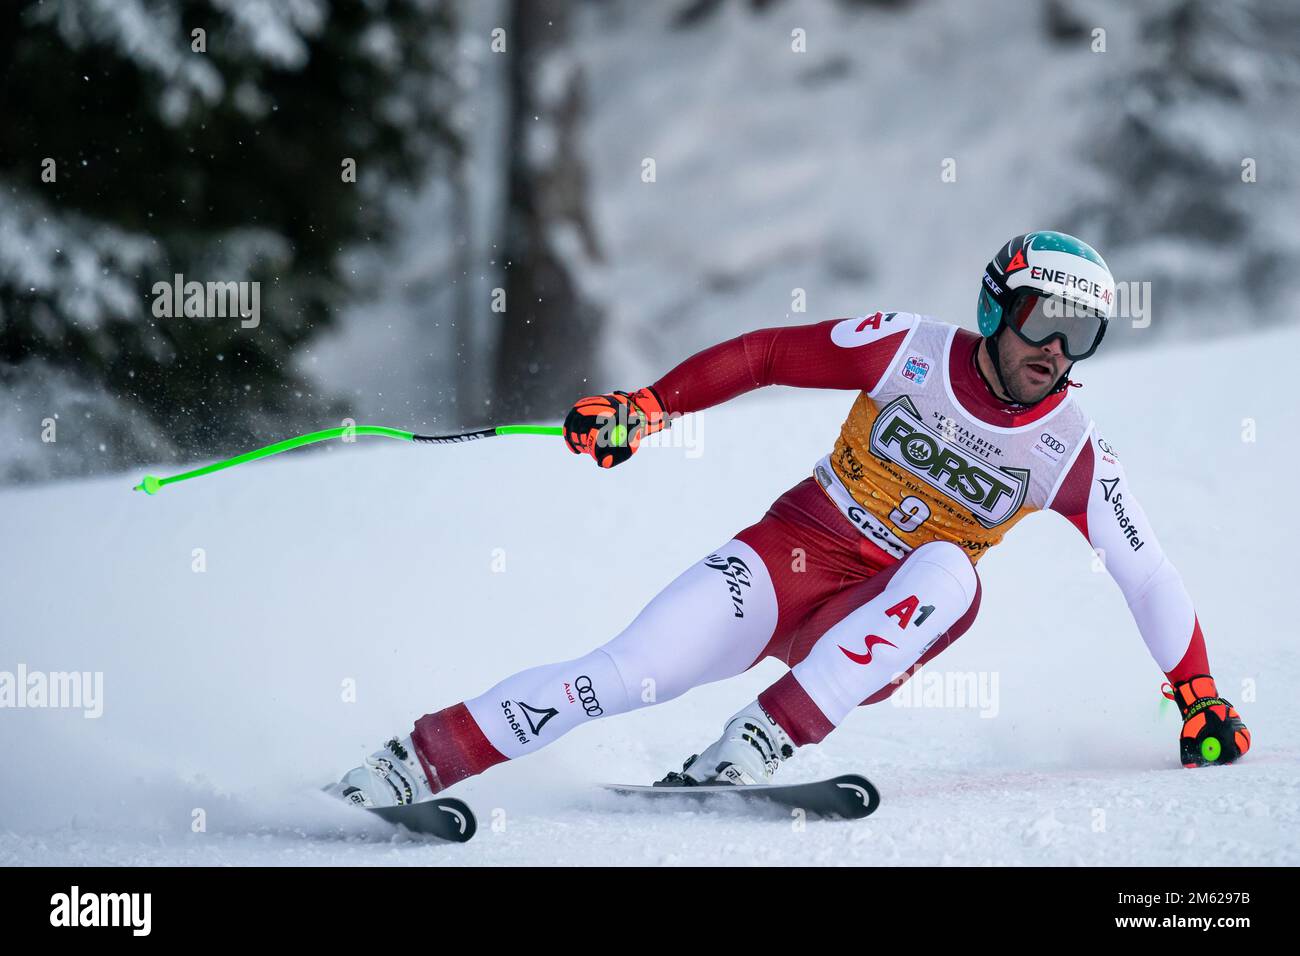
1061,384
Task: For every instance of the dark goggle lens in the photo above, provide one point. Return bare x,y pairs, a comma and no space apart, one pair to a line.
1039,318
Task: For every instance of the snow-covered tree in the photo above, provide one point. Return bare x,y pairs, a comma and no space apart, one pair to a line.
209,138
1196,151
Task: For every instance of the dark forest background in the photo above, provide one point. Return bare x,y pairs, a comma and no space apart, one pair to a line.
225,165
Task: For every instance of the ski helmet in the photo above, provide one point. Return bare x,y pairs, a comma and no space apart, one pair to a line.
1047,285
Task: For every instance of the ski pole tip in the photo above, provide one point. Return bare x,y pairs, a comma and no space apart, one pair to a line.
149,485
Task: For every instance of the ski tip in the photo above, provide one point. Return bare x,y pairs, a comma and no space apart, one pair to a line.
863,789
462,816
444,817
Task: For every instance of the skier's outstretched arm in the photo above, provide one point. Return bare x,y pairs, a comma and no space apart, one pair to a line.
837,354
1095,497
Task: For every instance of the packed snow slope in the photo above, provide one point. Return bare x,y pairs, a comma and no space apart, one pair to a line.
419,576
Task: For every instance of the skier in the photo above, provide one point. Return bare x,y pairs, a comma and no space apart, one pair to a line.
953,438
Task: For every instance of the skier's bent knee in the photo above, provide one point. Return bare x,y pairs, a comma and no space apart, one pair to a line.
950,558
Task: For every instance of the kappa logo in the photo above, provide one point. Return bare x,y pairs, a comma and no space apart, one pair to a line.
872,641
993,494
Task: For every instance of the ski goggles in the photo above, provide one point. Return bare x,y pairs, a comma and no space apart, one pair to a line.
1038,318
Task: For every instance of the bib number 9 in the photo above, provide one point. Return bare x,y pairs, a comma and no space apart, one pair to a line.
910,514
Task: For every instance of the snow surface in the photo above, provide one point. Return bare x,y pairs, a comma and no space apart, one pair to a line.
374,562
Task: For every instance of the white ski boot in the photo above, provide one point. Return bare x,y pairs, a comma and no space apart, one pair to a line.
750,750
391,777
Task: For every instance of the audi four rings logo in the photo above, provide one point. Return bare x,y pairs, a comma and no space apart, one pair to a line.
1055,444
587,696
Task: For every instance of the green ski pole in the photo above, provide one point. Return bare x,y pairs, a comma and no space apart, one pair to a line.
151,485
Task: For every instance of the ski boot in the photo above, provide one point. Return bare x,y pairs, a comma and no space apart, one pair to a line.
750,750
391,777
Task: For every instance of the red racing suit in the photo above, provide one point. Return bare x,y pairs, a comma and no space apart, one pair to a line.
929,472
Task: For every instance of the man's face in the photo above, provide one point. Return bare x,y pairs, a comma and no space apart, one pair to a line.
1030,371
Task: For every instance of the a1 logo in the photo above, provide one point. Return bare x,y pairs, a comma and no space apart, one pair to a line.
905,608
852,333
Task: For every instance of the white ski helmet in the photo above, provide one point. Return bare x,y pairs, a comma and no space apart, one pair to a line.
1046,285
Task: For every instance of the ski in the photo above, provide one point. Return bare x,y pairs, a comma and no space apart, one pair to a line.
444,817
848,797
